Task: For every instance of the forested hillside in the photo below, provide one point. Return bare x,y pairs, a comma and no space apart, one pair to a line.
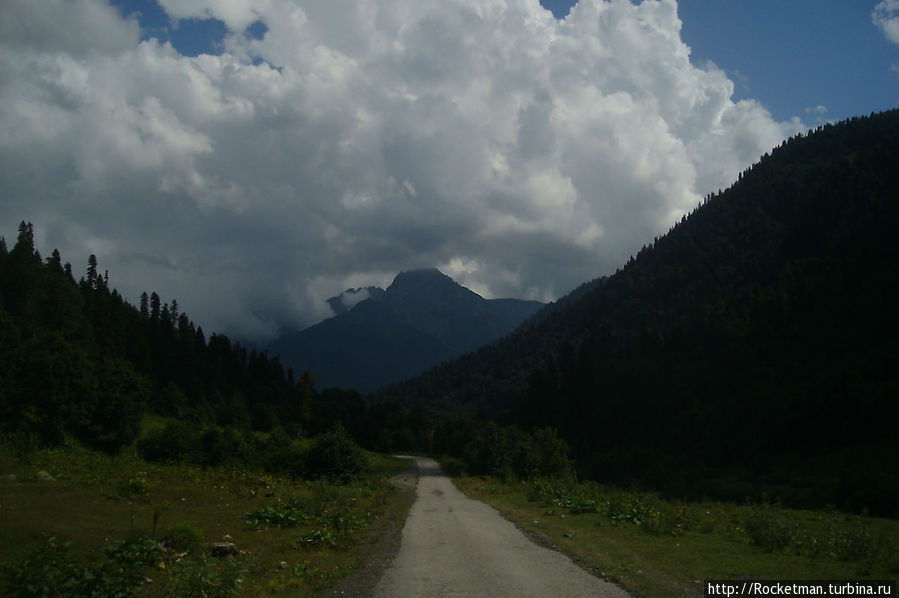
77,360
750,351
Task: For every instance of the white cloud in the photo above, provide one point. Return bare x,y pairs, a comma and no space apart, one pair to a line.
526,154
886,17
75,27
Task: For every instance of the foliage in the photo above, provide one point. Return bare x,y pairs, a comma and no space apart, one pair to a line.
647,511
49,571
336,457
316,537
175,442
508,452
191,502
198,576
289,515
80,361
768,528
183,537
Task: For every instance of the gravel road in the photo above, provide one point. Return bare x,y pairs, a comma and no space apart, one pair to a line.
453,546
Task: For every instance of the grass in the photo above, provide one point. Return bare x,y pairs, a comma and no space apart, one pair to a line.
98,500
658,548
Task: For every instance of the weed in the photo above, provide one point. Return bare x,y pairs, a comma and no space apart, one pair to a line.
136,486
199,576
287,516
491,490
315,538
50,571
663,520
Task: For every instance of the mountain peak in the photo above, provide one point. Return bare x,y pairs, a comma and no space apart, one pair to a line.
421,276
423,290
378,337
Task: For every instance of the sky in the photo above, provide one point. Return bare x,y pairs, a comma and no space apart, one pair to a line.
252,158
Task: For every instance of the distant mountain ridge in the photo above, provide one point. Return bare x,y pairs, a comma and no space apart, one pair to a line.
423,318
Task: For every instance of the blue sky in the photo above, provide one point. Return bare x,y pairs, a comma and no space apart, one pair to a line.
253,158
794,56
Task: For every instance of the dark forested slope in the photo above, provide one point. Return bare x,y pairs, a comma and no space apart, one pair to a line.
751,350
77,360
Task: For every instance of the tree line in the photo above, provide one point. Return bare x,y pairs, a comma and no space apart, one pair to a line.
79,361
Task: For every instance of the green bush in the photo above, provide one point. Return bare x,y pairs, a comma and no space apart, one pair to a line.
288,458
183,537
334,456
175,442
768,528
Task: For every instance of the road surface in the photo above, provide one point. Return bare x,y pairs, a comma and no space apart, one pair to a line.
453,546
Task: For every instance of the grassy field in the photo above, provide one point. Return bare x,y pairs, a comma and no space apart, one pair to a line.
294,537
657,548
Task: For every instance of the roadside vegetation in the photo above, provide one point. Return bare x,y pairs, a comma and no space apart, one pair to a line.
656,547
77,522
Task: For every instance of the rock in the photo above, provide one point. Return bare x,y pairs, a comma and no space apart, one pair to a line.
223,549
282,565
43,476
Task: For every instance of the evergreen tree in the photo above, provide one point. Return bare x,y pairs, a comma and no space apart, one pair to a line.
92,271
144,305
154,306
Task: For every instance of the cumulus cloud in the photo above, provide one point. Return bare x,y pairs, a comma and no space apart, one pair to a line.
886,17
356,139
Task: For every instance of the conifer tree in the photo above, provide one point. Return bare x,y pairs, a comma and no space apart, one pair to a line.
92,271
144,305
154,306
24,247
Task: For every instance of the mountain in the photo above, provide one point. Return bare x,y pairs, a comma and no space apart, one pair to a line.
751,351
420,320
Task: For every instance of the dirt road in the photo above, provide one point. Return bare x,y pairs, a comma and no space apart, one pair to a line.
453,546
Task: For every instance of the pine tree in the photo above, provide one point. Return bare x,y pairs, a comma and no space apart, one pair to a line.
92,271
144,305
154,306
24,248
55,261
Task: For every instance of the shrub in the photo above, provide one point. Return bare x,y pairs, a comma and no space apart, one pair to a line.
336,457
552,453
177,441
183,537
768,528
289,458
